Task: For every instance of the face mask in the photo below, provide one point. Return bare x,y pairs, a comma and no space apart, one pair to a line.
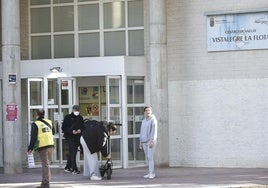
76,113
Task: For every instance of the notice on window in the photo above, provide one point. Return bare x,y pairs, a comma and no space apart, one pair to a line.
244,31
11,112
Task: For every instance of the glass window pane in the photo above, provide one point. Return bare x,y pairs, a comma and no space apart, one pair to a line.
40,20
114,43
135,91
50,115
88,17
35,93
135,116
41,47
89,45
134,153
136,43
40,2
66,86
115,116
130,120
139,91
135,13
64,46
130,92
64,18
114,91
114,15
62,1
115,150
52,92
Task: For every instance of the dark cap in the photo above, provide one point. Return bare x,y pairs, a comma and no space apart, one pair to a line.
76,107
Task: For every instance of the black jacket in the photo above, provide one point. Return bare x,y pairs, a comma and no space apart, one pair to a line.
72,122
96,137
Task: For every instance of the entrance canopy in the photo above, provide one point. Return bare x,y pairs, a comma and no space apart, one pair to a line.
74,67
91,66
88,66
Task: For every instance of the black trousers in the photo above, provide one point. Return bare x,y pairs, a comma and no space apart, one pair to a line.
73,148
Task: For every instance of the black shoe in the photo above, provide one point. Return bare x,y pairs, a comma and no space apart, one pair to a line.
67,170
75,172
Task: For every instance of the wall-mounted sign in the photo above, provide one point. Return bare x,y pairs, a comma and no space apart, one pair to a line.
12,78
242,31
11,112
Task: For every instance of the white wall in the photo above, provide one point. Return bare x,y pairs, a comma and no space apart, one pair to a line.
219,123
217,101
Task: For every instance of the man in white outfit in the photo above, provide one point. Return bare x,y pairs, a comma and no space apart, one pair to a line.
148,138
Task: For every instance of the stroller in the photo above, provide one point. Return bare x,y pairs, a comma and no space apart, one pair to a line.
107,167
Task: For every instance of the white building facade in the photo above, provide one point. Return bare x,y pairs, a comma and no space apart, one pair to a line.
217,100
193,61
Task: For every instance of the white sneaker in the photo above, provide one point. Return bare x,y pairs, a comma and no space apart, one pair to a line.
146,176
151,176
94,177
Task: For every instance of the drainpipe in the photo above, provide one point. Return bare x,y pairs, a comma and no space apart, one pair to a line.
12,126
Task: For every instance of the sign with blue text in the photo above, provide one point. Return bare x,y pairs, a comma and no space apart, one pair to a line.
244,31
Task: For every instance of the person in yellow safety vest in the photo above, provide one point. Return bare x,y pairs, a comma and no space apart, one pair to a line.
42,141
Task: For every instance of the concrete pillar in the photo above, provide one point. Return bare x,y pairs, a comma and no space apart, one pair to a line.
11,87
158,76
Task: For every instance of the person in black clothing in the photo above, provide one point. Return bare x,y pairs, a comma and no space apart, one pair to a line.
72,127
94,139
42,141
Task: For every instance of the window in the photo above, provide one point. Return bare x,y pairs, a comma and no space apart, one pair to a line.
40,20
76,28
41,47
89,45
63,18
114,43
88,17
64,46
114,15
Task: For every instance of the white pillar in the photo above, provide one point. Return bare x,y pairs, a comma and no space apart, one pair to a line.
11,88
158,76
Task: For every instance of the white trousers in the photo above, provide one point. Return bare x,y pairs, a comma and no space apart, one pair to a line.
149,155
91,163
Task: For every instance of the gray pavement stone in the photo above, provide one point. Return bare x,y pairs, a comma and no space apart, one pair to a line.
133,178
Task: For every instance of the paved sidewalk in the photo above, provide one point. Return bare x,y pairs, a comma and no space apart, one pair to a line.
133,178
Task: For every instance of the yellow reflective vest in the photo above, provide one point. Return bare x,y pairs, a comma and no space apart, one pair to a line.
44,136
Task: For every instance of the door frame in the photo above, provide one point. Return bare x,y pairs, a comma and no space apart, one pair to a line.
60,115
123,116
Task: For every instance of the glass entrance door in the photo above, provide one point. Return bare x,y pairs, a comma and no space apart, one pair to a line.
56,96
114,113
35,91
66,100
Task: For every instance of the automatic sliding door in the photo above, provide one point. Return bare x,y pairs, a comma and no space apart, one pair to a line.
66,99
35,102
114,113
135,114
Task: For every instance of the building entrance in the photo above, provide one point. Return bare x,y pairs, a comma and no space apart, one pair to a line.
100,98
